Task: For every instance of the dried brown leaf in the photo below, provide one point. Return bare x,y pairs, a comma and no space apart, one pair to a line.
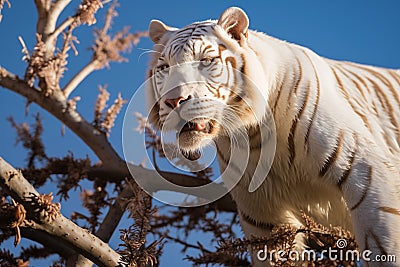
31,139
43,206
101,104
87,10
49,70
112,113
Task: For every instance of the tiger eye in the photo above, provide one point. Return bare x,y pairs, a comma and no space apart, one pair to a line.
206,61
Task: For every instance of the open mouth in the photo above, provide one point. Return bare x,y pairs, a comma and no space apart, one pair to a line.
192,126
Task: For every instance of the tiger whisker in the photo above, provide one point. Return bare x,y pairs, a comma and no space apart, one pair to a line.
146,52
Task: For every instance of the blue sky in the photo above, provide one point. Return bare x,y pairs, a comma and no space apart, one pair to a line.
361,31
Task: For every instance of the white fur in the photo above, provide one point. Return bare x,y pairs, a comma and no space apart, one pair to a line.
288,190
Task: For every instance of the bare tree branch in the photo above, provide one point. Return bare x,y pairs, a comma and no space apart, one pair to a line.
47,240
65,24
66,231
54,13
42,8
57,105
48,12
79,77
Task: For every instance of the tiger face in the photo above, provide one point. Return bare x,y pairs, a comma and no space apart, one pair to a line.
198,85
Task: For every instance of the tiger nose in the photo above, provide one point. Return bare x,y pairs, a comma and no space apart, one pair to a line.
176,102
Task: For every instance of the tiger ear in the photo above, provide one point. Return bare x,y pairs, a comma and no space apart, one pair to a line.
157,30
235,22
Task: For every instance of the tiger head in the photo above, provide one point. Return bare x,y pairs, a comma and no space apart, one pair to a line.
198,79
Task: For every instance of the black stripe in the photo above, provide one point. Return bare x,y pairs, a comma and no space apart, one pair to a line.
369,176
352,156
378,242
258,224
334,154
315,104
292,152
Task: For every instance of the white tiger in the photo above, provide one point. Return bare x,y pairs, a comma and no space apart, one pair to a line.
337,154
